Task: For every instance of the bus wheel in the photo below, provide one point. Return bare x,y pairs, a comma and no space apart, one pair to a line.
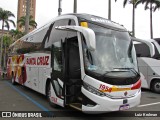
156,86
12,80
49,95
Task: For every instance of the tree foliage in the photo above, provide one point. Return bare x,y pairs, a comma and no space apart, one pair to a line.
5,16
16,34
22,20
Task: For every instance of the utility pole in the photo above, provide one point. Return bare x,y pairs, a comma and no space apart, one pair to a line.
28,2
60,7
75,6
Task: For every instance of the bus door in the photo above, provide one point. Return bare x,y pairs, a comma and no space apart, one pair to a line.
57,69
73,80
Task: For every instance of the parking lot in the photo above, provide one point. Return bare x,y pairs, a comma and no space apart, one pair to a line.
20,98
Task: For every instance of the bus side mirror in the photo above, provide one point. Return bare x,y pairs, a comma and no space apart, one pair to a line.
87,32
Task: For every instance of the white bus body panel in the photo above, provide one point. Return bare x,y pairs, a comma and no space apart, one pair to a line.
110,104
144,81
106,104
38,68
150,68
55,99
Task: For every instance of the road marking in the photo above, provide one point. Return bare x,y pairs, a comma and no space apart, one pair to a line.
149,104
30,99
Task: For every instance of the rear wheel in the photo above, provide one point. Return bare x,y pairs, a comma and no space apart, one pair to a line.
156,86
49,95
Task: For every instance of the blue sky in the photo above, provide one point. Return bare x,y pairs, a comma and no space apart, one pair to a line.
47,9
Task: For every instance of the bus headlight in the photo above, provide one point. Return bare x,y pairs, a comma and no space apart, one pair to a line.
93,90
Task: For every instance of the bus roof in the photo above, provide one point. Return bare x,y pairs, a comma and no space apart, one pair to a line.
99,20
83,17
143,40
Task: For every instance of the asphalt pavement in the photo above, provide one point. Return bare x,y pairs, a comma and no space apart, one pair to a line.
20,99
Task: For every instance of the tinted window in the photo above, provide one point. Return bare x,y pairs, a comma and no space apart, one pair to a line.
142,50
57,35
52,35
27,47
57,56
71,22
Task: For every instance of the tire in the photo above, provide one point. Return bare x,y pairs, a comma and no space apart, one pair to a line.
156,86
12,80
48,94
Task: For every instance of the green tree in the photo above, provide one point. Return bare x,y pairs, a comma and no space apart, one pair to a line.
27,18
7,40
133,2
5,16
22,21
152,5
16,34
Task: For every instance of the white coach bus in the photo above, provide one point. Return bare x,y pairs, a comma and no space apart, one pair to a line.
148,53
79,60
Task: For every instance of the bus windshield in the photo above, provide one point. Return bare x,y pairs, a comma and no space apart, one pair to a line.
114,51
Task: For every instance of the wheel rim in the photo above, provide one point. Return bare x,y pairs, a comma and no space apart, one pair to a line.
157,86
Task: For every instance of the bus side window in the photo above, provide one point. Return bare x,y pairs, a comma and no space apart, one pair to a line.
56,39
57,35
57,65
142,50
71,22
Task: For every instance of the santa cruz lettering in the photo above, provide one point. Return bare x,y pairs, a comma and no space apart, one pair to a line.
43,60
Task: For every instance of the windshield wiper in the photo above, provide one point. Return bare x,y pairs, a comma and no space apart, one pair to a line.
129,69
106,72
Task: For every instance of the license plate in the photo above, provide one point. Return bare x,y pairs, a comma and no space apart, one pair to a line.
124,107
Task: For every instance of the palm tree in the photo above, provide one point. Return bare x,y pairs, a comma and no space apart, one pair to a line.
5,16
152,5
22,22
16,34
7,41
109,9
27,16
133,2
75,6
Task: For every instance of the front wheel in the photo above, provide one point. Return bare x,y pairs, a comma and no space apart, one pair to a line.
156,86
49,96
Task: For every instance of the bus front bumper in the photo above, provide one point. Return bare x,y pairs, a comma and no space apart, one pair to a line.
105,104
